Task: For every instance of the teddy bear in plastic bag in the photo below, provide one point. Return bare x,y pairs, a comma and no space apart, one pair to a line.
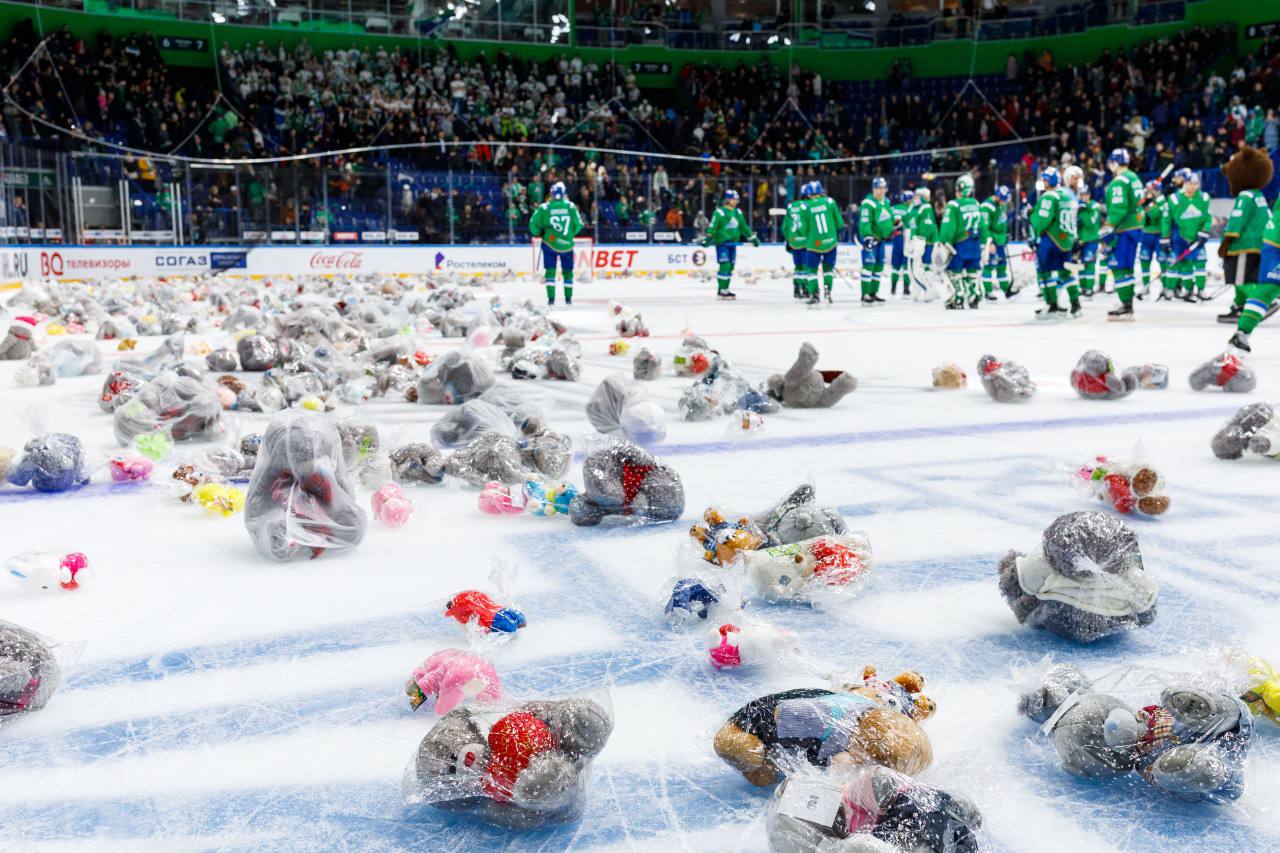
809,570
623,480
19,343
804,387
1227,372
1084,582
646,365
52,463
868,809
1127,486
300,501
1191,744
417,462
798,517
1148,376
454,378
526,766
184,408
29,671
1095,378
621,408
1255,428
452,678
950,376
1005,381
869,721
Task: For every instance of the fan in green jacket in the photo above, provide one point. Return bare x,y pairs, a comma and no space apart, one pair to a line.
728,227
1191,220
822,232
793,233
557,222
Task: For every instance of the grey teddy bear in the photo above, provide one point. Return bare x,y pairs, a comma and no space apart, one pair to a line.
797,517
454,378
29,672
1005,381
18,344
803,387
1085,581
1241,432
1226,372
623,479
646,366
1095,378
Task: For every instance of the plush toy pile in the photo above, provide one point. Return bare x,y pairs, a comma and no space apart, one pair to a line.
1095,378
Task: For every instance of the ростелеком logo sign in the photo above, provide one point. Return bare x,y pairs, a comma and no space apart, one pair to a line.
439,259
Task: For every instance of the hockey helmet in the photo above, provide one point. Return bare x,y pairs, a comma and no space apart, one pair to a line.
964,186
1050,177
558,190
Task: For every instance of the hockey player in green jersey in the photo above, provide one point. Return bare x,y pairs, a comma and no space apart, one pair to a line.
1053,221
728,228
898,270
995,237
1261,296
924,228
556,222
1122,229
961,229
1154,246
822,229
875,225
793,232
1247,172
1191,219
1088,221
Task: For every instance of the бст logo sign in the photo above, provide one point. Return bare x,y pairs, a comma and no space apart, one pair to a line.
336,260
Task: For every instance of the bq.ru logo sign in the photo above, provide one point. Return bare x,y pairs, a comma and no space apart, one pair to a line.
51,263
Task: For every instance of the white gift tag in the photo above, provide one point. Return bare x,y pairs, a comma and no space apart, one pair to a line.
814,801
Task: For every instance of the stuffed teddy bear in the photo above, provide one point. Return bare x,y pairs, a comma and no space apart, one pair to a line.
560,361
546,453
417,463
473,418
803,387
1148,376
868,809
798,517
29,672
1237,434
950,375
300,501
257,353
752,644
623,480
472,604
692,599
1125,486
722,539
222,360
803,571
18,344
523,768
53,463
646,366
73,358
454,378
453,677
35,371
693,357
1226,372
1005,381
184,408
1085,581
622,408
867,722
1248,169
490,457
1096,378
1192,745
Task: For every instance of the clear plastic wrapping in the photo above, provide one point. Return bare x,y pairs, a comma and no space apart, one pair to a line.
469,421
525,765
300,501
693,357
620,407
18,343
1085,580
257,353
47,569
183,408
950,376
867,721
51,463
1005,381
751,643
1225,371
1172,732
454,378
1255,428
29,671
805,387
1126,485
450,678
490,457
75,357
1095,377
868,809
623,481
34,372
417,463
222,360
812,570
646,365
1148,376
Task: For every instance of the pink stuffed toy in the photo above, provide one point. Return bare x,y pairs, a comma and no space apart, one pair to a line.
129,467
391,506
751,646
499,499
453,677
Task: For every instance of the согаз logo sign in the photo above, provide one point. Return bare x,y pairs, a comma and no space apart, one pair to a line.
336,260
182,261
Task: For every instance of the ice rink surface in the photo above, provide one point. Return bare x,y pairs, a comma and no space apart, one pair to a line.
224,702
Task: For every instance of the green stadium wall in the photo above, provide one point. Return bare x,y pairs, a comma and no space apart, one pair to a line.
933,60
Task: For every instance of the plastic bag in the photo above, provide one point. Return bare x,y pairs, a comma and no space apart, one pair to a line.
1255,428
183,408
1162,730
864,721
1005,381
1125,485
1227,372
257,353
52,463
417,463
1096,378
621,408
1148,376
646,365
525,765
300,501
450,678
76,357
868,809
810,571
1085,580
950,375
469,421
623,481
454,378
29,671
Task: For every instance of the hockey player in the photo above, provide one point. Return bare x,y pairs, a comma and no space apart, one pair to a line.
898,244
1261,295
556,222
1122,228
875,225
793,232
1054,221
1088,221
727,228
822,232
1242,238
1191,221
924,227
1154,246
995,236
961,228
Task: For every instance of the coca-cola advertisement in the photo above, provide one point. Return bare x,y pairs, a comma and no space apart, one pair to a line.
336,260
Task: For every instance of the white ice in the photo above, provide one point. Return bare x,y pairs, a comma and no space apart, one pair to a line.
225,702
